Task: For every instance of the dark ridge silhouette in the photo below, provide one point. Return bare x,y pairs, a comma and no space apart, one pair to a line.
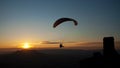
109,59
23,59
63,58
37,59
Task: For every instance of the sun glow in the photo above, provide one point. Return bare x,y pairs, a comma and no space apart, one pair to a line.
26,46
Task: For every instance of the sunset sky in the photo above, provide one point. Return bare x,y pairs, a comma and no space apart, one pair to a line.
32,20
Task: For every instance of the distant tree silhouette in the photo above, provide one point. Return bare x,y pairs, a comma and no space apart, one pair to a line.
109,59
109,47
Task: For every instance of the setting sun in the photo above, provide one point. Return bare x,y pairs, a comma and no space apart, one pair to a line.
26,46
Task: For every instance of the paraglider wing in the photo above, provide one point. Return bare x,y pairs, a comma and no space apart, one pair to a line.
61,20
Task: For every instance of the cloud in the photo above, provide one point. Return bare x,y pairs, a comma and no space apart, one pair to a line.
93,45
70,42
49,42
89,43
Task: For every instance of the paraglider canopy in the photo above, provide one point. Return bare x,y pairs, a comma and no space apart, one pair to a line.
61,20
